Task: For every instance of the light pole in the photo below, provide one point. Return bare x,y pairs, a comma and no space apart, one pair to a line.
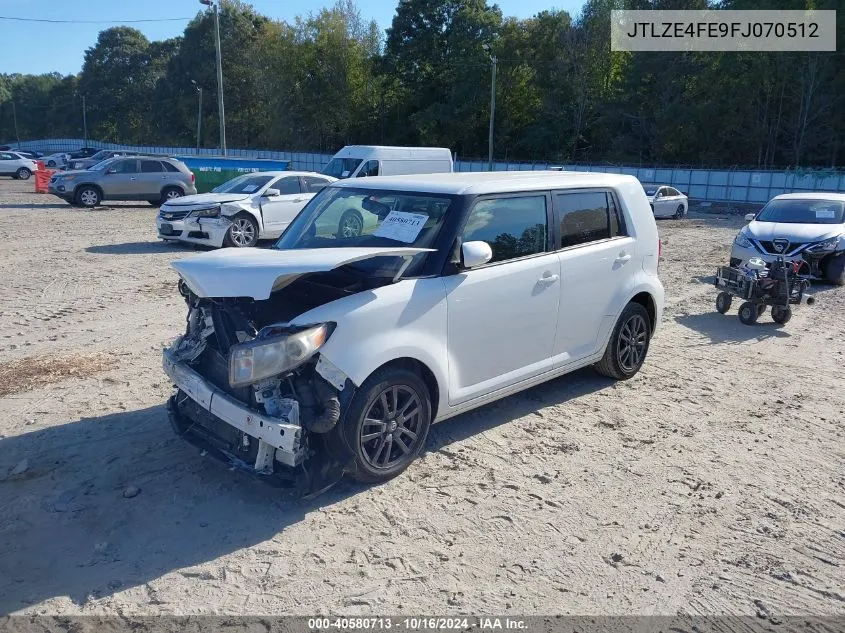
493,61
199,114
222,115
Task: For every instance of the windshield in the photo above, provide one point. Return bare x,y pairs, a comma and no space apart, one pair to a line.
803,212
650,191
102,154
340,217
101,165
341,167
248,183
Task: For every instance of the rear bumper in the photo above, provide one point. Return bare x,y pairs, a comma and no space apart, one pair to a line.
277,440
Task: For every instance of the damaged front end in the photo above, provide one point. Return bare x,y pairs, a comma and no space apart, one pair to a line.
255,391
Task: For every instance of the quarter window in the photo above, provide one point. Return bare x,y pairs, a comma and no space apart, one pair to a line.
314,184
513,227
588,217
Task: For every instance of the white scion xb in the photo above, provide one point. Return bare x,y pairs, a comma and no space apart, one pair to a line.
334,353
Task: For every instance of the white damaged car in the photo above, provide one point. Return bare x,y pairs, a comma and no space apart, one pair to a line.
334,353
238,213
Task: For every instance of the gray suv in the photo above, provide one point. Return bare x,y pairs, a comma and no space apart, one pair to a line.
155,180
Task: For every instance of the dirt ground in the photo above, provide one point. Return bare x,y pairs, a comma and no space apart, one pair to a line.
712,483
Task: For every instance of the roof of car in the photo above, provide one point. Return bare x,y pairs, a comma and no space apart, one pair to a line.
477,183
812,195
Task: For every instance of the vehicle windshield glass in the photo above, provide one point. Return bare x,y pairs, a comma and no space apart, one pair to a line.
803,212
341,167
102,154
102,165
248,183
650,191
339,217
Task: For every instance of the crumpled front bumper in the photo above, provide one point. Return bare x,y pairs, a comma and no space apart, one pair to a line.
277,440
208,231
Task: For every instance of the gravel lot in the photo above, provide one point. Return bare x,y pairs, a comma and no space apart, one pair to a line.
712,483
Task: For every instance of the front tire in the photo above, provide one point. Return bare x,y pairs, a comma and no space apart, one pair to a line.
723,302
243,233
835,271
781,315
387,424
88,197
628,345
51,164
351,224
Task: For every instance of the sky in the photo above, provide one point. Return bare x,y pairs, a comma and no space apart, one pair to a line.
41,47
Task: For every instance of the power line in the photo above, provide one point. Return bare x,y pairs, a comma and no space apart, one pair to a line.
3,17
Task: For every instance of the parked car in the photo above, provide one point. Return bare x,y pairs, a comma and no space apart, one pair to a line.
103,154
29,155
330,354
808,228
84,152
17,166
155,180
58,160
252,207
356,161
666,201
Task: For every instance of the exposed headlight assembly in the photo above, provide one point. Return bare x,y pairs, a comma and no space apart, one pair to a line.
263,358
210,212
823,247
742,241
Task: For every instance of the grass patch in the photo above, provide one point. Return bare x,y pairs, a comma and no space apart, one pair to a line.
37,371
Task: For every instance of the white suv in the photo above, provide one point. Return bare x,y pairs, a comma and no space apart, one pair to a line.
332,353
17,166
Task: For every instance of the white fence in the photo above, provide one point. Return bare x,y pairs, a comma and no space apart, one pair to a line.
731,185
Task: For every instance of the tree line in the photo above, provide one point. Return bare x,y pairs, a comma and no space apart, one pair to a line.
330,79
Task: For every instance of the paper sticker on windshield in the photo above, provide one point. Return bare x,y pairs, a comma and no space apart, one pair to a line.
345,174
249,188
825,214
400,226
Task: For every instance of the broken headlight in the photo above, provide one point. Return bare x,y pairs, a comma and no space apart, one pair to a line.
263,358
742,240
825,246
210,212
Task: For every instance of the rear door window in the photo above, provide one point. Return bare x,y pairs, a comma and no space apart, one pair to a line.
588,216
151,167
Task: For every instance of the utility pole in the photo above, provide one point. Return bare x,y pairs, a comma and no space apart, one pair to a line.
220,109
15,119
84,121
199,114
493,61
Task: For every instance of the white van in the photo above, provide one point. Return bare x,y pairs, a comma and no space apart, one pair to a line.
355,161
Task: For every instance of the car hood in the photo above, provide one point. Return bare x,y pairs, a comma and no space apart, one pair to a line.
73,172
257,272
205,199
795,233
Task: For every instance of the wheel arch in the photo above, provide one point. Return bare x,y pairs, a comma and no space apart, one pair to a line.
418,367
88,184
645,299
166,187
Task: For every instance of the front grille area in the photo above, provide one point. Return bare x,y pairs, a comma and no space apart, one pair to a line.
173,215
769,247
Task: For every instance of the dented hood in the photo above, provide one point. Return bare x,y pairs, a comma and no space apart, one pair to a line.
257,272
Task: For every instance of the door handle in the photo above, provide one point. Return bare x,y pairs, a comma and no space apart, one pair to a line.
623,257
132,178
548,278
297,200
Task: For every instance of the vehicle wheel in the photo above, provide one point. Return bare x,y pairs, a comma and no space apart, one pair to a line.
679,212
761,310
835,271
171,193
723,302
748,313
243,232
23,174
781,315
88,197
351,224
628,344
387,424
51,163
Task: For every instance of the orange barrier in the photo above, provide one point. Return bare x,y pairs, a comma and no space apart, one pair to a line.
40,164
42,178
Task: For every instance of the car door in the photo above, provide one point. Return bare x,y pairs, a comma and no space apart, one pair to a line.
152,178
597,258
278,211
502,315
121,180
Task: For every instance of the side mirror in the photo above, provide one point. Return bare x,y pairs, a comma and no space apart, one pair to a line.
272,193
657,196
750,216
475,254
111,171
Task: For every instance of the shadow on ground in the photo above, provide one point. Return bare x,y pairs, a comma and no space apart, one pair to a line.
69,529
143,248
727,328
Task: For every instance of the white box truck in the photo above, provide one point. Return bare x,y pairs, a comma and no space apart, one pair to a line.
355,161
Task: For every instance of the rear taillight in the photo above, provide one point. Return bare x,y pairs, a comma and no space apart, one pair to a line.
193,178
659,248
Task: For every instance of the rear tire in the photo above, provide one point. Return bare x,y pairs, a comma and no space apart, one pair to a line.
170,193
748,313
387,424
23,174
351,224
51,163
628,345
835,271
679,212
723,302
781,315
88,197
